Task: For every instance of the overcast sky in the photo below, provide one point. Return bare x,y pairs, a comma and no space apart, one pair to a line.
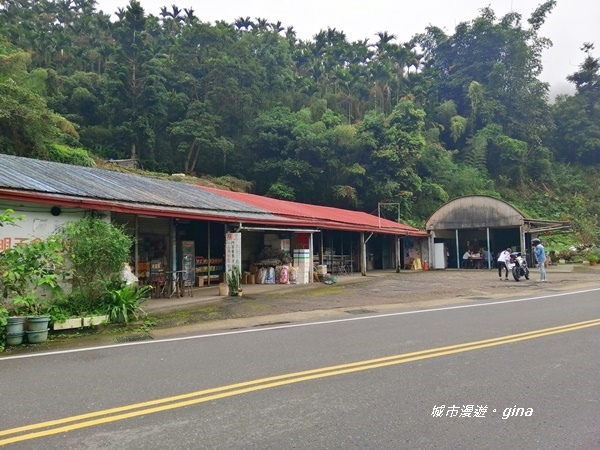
571,23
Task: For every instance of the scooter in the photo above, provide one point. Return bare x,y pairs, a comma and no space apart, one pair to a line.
518,266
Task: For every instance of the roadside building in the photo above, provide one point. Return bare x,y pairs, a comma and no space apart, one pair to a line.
179,225
481,223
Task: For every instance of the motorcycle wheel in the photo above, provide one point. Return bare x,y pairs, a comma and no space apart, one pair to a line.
515,273
527,274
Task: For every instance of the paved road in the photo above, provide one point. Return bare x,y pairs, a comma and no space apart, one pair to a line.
398,379
267,304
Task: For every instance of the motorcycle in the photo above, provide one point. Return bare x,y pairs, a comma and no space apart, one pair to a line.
518,266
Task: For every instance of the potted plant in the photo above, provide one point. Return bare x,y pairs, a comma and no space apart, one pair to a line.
234,281
593,258
38,320
15,324
36,310
30,275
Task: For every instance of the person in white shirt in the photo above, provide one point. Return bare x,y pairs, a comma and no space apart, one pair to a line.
502,258
465,258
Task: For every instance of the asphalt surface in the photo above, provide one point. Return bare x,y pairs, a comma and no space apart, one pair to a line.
370,381
263,305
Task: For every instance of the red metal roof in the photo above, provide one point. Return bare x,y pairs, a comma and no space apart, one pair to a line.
322,216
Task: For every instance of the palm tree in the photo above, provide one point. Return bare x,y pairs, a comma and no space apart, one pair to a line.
384,40
190,18
277,27
244,22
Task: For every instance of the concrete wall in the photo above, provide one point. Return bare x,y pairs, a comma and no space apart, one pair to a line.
38,224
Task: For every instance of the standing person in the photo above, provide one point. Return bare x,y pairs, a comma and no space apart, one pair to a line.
502,258
540,256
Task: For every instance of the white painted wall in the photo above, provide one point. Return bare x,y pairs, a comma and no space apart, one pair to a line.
37,225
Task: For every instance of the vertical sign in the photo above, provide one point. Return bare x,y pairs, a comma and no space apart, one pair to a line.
233,251
188,262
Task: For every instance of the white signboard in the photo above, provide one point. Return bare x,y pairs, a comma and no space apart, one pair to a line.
233,251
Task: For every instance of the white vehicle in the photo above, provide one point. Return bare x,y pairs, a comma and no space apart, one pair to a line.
517,266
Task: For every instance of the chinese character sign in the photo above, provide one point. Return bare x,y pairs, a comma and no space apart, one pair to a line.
34,227
233,251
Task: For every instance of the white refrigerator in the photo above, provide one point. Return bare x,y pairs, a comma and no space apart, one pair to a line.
440,255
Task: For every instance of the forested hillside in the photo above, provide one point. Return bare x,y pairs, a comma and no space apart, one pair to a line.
323,121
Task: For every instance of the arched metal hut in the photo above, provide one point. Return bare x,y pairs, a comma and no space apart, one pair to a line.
480,223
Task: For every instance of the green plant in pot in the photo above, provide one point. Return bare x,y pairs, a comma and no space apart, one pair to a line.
38,321
125,302
31,280
234,281
31,306
593,258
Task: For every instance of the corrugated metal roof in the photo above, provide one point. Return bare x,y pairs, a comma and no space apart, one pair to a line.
484,211
34,180
87,182
324,216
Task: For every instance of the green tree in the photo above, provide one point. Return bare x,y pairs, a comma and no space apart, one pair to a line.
198,139
135,90
393,144
577,135
504,59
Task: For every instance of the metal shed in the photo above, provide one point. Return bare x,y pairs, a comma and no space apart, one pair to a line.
477,222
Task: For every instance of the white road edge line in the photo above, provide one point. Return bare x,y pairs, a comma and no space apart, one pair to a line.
297,325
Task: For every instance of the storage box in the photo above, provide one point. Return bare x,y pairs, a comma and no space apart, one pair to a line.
322,269
284,244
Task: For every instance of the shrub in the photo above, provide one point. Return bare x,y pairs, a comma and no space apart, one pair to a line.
30,268
593,254
95,251
68,155
567,255
3,322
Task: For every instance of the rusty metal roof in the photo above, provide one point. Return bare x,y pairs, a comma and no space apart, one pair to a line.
32,175
32,180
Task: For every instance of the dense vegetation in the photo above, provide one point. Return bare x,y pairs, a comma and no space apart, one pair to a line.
323,121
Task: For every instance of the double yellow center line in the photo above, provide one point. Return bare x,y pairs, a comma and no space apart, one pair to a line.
139,409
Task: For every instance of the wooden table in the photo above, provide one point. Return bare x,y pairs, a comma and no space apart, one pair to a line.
476,262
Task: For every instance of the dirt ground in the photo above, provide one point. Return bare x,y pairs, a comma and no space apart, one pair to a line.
384,290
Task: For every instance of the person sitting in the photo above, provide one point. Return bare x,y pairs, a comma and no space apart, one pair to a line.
486,257
466,260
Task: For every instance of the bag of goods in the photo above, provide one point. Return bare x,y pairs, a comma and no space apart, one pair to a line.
293,275
270,279
262,275
284,275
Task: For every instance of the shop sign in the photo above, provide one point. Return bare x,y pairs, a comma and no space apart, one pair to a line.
233,251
